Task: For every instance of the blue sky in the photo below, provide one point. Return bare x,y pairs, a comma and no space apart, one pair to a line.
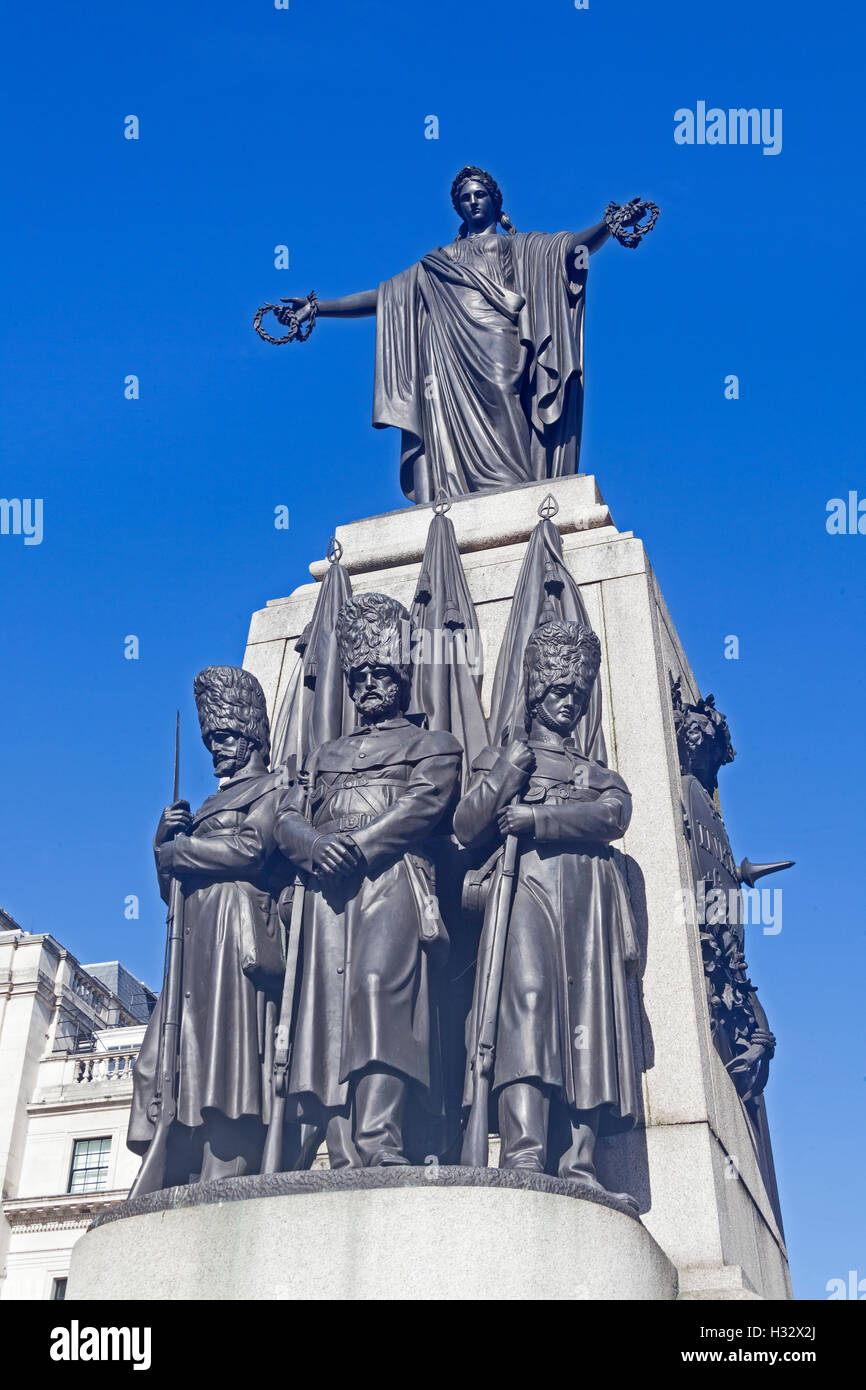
306,127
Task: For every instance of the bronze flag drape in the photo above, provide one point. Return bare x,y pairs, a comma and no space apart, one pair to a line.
316,706
545,591
447,662
446,686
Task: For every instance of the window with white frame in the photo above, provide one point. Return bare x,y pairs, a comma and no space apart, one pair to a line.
89,1171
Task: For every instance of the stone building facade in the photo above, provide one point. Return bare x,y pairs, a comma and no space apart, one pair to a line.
69,1036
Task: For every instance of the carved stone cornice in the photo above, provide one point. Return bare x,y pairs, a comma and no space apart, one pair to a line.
63,1212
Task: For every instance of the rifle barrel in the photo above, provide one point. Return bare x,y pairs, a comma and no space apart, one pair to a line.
152,1173
176,758
475,1151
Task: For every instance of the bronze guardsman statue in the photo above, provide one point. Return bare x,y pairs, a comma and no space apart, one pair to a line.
359,828
563,1069
230,873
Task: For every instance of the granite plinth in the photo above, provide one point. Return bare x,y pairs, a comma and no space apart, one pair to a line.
203,1194
373,1234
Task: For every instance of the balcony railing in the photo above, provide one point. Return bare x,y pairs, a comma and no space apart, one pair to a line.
82,1078
93,1067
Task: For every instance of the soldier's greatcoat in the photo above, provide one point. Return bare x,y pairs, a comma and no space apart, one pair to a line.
364,994
563,1015
232,957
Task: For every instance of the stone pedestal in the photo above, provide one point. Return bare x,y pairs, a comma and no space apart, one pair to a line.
691,1163
395,1234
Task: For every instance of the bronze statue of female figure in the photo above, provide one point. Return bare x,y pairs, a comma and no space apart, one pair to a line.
479,349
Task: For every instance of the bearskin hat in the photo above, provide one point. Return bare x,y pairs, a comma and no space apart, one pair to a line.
560,652
376,629
227,697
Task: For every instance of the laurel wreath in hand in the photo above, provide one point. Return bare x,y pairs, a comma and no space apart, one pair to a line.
297,333
619,219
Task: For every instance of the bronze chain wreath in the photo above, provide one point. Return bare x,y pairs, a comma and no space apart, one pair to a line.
619,218
296,332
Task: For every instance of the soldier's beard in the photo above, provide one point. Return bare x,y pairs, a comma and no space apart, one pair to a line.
377,705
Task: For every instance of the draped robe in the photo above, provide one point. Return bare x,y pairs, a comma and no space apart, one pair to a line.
479,361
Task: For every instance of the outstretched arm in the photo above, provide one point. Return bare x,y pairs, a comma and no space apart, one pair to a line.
351,306
594,237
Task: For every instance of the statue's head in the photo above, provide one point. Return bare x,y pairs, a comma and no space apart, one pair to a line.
233,716
477,200
374,642
560,667
703,738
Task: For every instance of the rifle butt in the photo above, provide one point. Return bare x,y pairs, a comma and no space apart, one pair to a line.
476,1142
272,1157
151,1174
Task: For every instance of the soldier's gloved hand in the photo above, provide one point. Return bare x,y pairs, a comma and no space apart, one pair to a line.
336,856
520,754
516,820
175,820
